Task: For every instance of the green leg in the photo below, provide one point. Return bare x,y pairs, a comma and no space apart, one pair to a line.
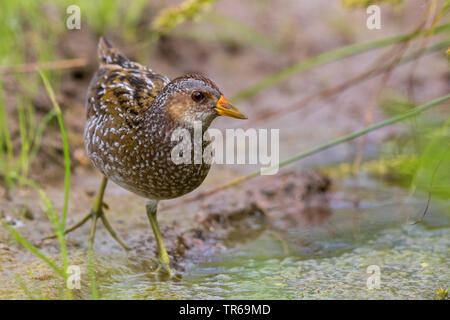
112,232
92,233
163,257
96,212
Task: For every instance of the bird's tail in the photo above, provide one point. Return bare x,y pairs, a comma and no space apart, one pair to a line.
107,54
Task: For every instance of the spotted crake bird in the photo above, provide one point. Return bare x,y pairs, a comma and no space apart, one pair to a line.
132,113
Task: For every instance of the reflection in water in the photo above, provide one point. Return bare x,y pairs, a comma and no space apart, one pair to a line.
316,216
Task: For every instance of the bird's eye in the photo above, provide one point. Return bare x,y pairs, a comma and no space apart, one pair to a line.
197,96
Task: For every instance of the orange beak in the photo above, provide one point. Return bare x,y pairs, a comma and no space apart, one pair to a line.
224,108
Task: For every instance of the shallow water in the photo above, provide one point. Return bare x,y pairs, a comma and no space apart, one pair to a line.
326,260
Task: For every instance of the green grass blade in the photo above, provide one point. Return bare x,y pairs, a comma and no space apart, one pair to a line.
6,150
362,132
60,231
328,57
66,152
39,133
32,248
24,142
91,271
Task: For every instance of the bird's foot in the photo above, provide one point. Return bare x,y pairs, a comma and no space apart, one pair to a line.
164,272
94,215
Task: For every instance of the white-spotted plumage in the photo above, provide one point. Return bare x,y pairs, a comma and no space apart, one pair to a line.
131,115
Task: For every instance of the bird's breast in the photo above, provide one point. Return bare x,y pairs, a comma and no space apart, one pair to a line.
140,160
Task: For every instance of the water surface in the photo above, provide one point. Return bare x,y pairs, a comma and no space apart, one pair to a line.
368,225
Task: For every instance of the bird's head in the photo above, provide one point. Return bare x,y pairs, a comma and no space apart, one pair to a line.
193,97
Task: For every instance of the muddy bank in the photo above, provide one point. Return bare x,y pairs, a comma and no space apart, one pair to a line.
241,214
201,231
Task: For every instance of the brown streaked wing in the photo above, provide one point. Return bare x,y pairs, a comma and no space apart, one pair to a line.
122,92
